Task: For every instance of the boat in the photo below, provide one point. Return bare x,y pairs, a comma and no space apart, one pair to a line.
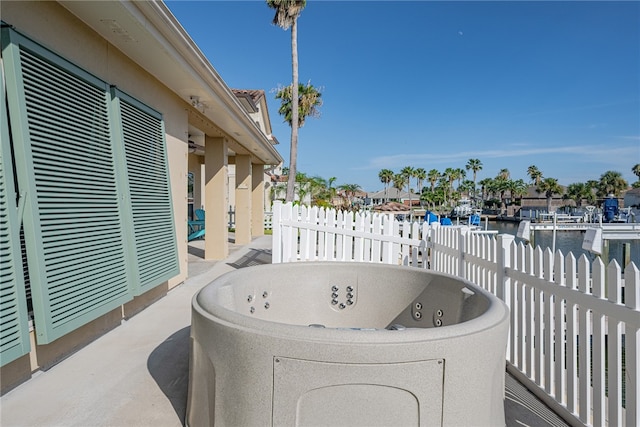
463,209
612,213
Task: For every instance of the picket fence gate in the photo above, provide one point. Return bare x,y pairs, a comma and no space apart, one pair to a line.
553,299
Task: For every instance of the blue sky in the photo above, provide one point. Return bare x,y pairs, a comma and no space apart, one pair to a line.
432,84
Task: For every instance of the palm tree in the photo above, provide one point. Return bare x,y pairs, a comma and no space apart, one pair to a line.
577,192
549,186
350,191
303,186
399,181
287,13
535,174
518,189
429,197
330,182
322,191
475,165
460,175
317,190
420,175
636,172
611,182
450,175
467,186
504,173
433,176
485,184
386,177
308,100
501,185
409,173
592,189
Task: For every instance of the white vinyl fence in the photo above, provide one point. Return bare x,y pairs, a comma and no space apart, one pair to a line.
318,234
575,324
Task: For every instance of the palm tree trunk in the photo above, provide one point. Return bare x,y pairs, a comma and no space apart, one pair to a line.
293,155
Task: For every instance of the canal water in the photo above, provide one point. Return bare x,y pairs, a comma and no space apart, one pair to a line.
571,241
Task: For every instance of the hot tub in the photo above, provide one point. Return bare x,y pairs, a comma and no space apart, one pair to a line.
330,344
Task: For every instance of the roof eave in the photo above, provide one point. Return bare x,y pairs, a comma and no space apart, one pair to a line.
164,49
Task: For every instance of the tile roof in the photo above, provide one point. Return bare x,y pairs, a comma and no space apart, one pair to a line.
254,94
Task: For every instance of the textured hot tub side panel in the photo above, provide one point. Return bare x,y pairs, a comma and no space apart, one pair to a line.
243,359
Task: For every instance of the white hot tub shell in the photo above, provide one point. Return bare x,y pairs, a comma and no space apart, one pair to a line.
329,344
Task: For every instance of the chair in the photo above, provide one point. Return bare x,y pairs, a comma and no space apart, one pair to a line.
196,226
196,235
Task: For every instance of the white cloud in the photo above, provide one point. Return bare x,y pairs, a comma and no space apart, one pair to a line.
604,154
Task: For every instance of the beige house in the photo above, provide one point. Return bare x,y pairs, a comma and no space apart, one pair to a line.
109,107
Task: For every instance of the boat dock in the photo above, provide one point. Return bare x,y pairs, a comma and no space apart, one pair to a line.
610,231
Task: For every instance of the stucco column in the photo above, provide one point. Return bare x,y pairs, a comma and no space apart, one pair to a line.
215,163
243,199
257,200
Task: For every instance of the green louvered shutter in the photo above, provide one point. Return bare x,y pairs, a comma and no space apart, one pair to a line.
66,164
14,323
149,189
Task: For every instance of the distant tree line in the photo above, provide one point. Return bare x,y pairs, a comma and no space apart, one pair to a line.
446,188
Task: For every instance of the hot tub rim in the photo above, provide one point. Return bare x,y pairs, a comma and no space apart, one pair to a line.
496,313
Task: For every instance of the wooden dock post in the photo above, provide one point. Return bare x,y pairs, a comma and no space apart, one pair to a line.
626,254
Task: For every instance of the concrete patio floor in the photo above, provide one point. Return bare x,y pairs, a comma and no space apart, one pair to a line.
137,374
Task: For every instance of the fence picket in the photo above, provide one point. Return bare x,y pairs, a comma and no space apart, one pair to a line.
560,328
572,337
358,243
376,247
368,250
276,251
548,324
538,317
389,248
632,347
584,353
322,236
348,239
313,235
340,225
614,347
514,309
598,346
520,310
405,231
304,235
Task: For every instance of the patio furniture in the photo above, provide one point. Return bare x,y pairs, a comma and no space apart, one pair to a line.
196,226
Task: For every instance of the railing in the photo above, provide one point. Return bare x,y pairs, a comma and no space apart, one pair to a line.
554,301
231,223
